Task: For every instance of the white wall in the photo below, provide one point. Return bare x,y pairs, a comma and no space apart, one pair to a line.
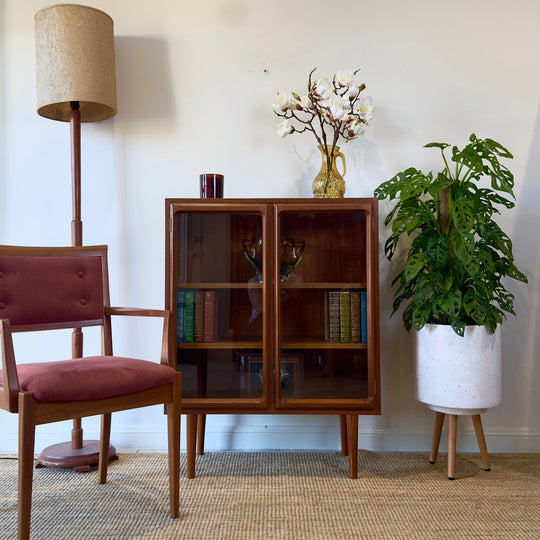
195,85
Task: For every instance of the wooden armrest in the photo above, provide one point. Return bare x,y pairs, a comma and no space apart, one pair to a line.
9,369
138,312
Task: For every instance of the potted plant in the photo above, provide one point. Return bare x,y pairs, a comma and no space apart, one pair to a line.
451,286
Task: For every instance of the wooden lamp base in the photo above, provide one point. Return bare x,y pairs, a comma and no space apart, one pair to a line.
63,455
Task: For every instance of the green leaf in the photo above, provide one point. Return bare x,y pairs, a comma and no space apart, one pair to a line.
420,316
415,264
469,158
462,212
442,146
498,148
451,305
441,182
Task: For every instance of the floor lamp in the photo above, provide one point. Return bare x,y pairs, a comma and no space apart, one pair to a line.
75,81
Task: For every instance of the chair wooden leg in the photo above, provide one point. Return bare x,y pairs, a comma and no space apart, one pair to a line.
104,442
191,441
352,435
343,433
477,423
452,436
173,440
27,429
437,430
201,428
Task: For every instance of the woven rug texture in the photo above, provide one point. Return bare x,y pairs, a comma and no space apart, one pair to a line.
284,495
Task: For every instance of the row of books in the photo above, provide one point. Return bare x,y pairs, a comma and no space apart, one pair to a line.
197,317
346,317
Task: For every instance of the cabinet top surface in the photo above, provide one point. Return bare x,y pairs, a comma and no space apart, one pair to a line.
344,201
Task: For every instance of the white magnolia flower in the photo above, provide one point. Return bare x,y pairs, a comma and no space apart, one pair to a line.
282,103
284,128
305,102
353,91
337,107
345,77
365,109
355,129
323,88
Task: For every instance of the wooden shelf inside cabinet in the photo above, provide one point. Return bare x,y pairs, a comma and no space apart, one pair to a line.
220,286
303,343
270,353
329,286
240,344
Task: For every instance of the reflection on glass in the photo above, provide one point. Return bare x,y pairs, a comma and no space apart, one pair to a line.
290,255
253,253
327,374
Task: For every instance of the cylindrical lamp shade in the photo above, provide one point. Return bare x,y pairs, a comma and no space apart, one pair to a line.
75,62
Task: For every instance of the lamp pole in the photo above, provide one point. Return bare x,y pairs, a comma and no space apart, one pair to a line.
75,76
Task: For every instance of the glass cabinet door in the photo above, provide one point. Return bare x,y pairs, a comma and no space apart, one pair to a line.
323,322
218,270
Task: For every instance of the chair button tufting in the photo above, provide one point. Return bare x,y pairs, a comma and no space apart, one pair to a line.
1,274
80,273
2,305
83,301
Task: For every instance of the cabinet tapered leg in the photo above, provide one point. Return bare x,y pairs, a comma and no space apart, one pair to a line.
191,440
201,427
437,430
352,435
343,433
477,423
452,436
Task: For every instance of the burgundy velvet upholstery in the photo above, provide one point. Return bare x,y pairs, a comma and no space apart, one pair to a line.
36,290
93,377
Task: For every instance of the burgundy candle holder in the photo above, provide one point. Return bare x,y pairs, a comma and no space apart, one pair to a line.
211,186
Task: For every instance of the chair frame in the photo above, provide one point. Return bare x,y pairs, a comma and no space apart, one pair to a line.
32,413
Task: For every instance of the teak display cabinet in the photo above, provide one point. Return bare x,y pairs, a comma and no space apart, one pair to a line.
264,336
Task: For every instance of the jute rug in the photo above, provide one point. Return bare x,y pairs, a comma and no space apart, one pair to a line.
287,496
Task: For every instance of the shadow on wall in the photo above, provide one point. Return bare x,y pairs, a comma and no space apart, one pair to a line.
146,107
143,80
363,163
523,370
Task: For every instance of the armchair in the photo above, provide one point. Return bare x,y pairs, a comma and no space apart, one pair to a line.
67,287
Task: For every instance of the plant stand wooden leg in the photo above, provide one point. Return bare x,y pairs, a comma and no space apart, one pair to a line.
477,423
201,427
343,433
191,441
452,436
437,430
352,435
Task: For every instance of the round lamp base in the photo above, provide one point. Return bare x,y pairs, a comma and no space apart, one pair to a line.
63,455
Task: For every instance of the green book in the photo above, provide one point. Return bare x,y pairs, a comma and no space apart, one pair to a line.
180,316
189,306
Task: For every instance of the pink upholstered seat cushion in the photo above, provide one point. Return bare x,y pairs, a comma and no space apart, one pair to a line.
93,377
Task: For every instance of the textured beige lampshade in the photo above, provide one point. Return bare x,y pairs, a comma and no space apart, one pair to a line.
75,62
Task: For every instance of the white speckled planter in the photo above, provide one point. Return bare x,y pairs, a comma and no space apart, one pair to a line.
458,375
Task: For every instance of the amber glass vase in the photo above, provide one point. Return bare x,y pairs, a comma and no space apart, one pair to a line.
329,183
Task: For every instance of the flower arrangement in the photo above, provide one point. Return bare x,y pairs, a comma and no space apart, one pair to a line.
331,109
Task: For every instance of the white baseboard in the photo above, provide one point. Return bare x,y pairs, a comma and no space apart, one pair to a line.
263,437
